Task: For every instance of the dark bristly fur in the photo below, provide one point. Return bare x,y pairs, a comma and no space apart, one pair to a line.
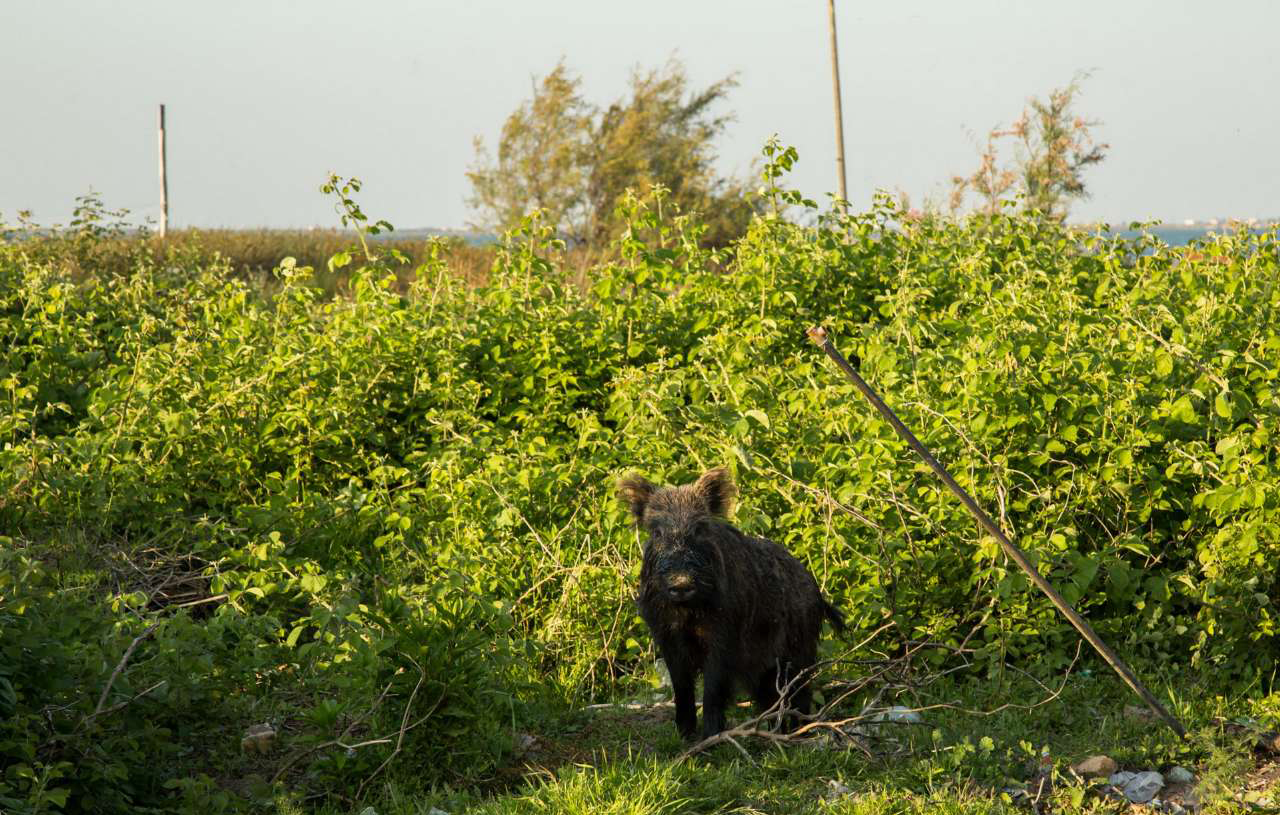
739,610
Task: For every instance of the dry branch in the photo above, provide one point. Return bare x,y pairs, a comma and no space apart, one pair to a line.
124,660
395,736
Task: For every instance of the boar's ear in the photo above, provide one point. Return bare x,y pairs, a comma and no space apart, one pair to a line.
634,493
718,491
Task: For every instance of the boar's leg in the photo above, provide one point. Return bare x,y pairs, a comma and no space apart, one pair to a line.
717,685
683,678
765,692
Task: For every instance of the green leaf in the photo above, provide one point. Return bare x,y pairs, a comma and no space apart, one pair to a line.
1086,568
1222,406
339,260
1183,410
759,416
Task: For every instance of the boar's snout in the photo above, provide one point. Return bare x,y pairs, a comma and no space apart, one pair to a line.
681,588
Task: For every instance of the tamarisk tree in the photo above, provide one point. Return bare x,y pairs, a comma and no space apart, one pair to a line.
1053,148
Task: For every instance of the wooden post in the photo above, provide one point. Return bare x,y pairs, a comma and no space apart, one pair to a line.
819,337
164,182
835,84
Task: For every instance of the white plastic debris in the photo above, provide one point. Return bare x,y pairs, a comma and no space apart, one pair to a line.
664,676
897,713
1180,775
1138,787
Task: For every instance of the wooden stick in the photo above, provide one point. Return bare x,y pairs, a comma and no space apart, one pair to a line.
819,337
835,87
164,181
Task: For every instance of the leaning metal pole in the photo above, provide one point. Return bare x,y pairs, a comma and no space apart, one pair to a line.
819,337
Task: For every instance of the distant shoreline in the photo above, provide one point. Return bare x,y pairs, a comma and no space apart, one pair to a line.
1179,235
1174,235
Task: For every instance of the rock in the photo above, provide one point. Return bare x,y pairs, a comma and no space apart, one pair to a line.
1138,787
1096,767
1179,775
1191,798
258,739
525,743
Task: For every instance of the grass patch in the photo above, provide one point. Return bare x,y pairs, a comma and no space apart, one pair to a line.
625,761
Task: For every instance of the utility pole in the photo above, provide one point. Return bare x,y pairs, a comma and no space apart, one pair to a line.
835,84
164,182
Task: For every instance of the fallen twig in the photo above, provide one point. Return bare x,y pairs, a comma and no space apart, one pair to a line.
124,660
404,726
396,736
296,757
126,702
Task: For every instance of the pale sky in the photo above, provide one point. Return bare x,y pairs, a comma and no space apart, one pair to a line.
264,97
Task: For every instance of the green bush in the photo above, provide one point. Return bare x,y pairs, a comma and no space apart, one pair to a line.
397,506
78,735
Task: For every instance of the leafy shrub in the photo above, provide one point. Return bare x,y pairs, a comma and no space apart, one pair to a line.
396,505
